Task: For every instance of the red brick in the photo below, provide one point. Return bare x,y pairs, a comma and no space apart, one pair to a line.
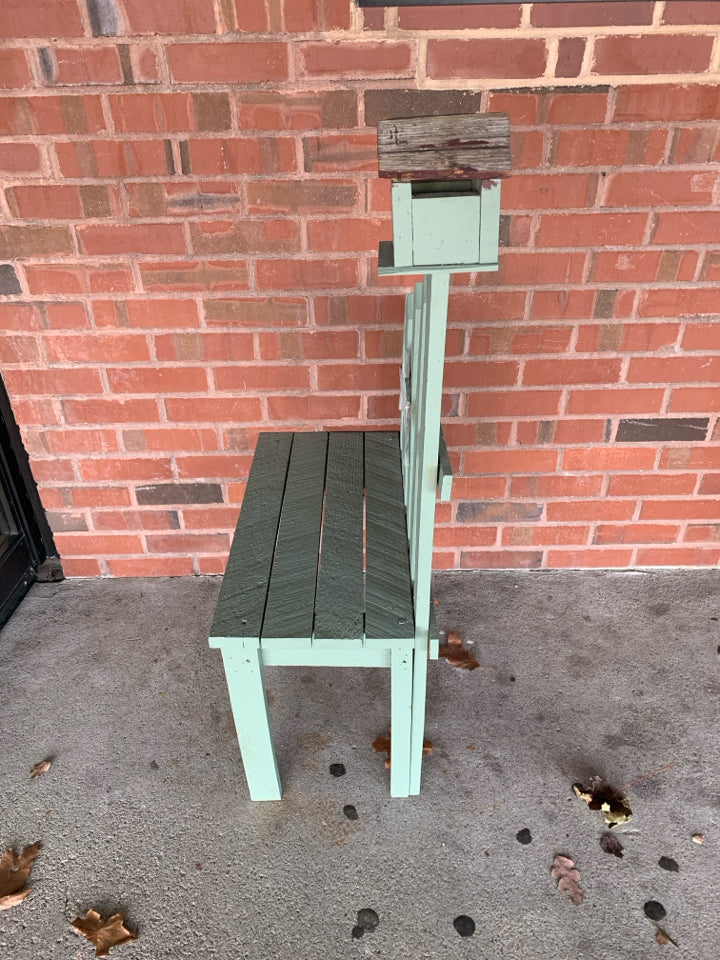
84,65
510,461
297,110
257,312
301,196
188,275
542,268
483,305
667,102
579,431
701,336
111,468
56,202
373,18
696,11
590,510
674,370
652,485
652,54
112,158
592,229
81,441
595,14
680,510
562,304
486,58
458,17
80,567
592,147
473,373
66,316
682,301
151,566
103,410
48,115
265,155
210,518
652,189
546,192
561,371
205,346
159,380
636,533
348,59
513,403
151,112
169,439
592,557
59,382
250,237
306,274
314,407
678,557
345,234
182,199
357,376
45,18
249,61
710,484
571,51
308,15
146,313
571,107
322,345
699,457
693,144
19,158
14,70
19,350
634,337
93,544
702,532
99,496
170,16
332,153
220,465
522,107
609,458
479,488
501,559
695,400
188,543
690,226
544,535
263,377
211,409
89,348
628,266
465,536
154,238
20,317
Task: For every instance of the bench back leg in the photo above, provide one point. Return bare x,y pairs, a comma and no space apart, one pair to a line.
244,672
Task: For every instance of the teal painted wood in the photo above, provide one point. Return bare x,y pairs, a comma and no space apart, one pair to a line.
446,228
490,222
340,601
401,695
411,478
290,608
406,378
388,591
241,604
388,266
445,474
401,194
243,671
318,657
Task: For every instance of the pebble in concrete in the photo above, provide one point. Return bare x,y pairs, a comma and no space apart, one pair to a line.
350,812
465,926
654,910
337,770
367,919
667,863
523,836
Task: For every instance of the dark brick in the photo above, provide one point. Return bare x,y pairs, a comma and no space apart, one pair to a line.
67,522
497,511
123,50
391,104
662,429
179,493
212,111
103,17
9,282
604,304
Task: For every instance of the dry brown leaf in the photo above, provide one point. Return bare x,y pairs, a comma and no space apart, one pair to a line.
600,795
567,876
103,934
14,872
456,655
610,844
381,744
42,767
664,938
698,838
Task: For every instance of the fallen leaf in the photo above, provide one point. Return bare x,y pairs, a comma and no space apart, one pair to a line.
600,795
456,655
14,872
381,744
42,767
698,838
663,937
567,876
103,934
611,844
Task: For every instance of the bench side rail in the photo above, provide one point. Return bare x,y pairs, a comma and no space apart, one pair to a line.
422,377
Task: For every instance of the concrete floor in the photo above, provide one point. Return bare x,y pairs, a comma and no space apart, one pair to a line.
145,809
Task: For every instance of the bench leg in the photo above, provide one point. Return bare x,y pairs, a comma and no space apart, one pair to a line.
401,694
244,673
418,719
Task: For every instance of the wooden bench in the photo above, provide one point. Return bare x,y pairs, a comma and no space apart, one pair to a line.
332,556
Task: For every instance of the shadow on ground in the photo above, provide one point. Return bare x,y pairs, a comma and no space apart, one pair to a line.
145,808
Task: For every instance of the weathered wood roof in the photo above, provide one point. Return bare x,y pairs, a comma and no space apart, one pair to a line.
445,148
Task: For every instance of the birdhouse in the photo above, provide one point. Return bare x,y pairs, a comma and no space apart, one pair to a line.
445,174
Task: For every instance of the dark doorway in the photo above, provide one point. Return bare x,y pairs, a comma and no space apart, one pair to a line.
26,543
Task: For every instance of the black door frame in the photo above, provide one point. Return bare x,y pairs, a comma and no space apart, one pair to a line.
29,543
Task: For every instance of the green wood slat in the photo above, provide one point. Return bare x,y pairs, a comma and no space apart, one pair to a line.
240,607
339,604
291,596
388,591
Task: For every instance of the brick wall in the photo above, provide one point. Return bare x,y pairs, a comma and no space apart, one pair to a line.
189,213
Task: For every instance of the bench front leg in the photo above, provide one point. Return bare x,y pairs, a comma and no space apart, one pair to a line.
401,684
244,673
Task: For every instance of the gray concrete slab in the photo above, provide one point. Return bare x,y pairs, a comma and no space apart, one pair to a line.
146,810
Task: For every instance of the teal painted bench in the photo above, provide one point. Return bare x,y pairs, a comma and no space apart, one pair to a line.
331,560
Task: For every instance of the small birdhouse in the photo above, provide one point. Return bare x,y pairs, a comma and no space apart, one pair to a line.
446,175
